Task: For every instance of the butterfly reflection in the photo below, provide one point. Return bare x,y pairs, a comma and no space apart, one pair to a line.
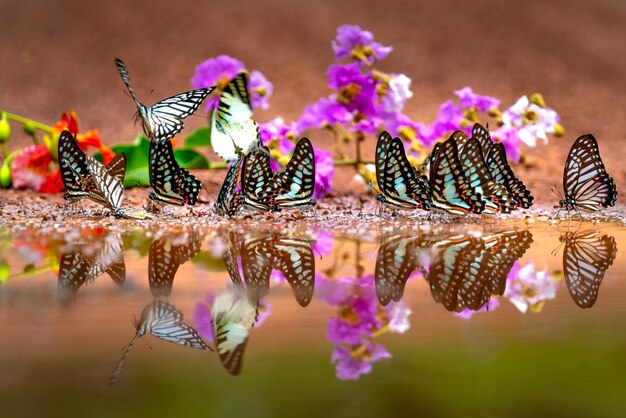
83,265
469,270
166,255
586,258
165,322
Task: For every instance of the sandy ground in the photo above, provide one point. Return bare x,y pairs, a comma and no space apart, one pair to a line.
58,55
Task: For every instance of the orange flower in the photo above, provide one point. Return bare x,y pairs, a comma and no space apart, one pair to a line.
69,122
31,169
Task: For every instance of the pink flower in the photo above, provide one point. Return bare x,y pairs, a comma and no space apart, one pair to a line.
31,170
353,42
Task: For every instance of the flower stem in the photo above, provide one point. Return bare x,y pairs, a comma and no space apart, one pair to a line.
25,121
5,151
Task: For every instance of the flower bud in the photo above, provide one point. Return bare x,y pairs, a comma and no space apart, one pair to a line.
5,128
4,270
559,130
5,170
537,99
30,128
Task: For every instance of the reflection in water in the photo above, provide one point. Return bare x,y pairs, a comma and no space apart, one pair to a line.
166,255
397,259
469,270
163,321
586,258
80,265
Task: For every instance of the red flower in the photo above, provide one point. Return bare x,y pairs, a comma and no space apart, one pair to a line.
31,169
69,122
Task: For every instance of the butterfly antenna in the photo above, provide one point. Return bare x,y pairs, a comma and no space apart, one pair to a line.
117,373
209,193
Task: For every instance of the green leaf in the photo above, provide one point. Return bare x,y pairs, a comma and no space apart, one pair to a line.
188,158
201,137
207,262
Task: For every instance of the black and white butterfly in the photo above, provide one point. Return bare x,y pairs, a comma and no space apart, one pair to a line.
233,130
469,270
75,174
586,258
256,177
111,189
171,184
229,199
498,165
494,194
166,255
399,184
165,322
586,183
163,120
450,190
78,267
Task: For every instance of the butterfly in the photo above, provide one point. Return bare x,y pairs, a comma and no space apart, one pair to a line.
229,200
399,184
233,130
397,258
165,256
163,120
450,190
170,183
494,194
165,322
256,176
293,186
498,165
75,174
111,190
469,270
586,258
77,268
586,183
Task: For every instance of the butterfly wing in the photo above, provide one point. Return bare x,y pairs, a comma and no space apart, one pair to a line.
294,258
295,184
73,167
170,183
495,195
166,116
395,261
481,134
502,173
166,324
256,267
586,183
256,177
109,188
228,201
232,128
450,189
586,258
73,270
117,166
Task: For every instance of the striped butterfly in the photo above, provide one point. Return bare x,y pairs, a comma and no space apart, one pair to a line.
396,260
111,189
450,190
170,182
586,258
165,256
399,184
256,176
229,200
77,268
233,130
256,267
470,270
163,120
165,322
501,171
75,174
586,183
494,194
293,186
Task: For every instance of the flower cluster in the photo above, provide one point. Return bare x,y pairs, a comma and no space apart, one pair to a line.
360,319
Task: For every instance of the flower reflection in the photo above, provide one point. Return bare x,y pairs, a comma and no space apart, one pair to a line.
528,288
359,320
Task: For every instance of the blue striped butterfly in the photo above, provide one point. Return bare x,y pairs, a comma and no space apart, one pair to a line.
229,200
163,120
166,255
469,270
586,183
398,182
165,322
233,130
77,267
450,190
75,174
170,182
501,171
111,189
396,260
293,186
256,176
586,258
494,194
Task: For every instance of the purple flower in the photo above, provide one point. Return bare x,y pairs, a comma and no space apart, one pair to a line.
511,141
324,171
353,42
530,121
324,112
398,317
469,99
399,91
356,91
528,288
279,130
324,241
220,70
351,363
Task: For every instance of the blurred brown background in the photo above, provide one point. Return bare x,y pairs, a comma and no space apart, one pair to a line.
58,55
